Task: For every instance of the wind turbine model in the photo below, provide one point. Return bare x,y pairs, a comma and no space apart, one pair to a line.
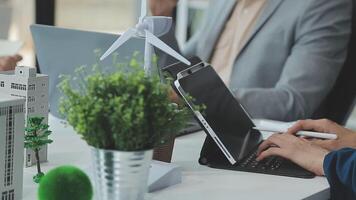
149,28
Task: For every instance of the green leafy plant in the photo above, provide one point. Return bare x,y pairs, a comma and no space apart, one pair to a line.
125,110
36,137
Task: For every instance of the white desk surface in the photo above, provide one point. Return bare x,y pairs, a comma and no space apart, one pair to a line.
199,182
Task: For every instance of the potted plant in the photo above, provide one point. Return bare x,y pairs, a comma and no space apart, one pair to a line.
122,116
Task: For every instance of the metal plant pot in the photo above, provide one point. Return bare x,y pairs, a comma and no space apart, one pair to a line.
121,175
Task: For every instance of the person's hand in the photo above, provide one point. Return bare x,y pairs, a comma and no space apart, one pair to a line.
298,150
9,62
345,137
162,7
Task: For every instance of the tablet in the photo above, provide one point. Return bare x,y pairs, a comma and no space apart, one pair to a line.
174,69
224,119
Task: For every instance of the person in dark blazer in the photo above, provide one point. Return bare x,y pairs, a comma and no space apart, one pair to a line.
280,58
336,159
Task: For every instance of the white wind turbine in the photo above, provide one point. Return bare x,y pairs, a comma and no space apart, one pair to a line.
149,28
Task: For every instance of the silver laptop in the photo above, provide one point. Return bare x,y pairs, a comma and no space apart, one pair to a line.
60,51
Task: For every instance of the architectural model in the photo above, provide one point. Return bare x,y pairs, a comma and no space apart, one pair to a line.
25,83
12,131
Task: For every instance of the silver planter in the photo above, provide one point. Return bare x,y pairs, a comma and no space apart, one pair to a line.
121,175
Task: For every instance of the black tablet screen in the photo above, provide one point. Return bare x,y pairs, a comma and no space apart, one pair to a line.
223,112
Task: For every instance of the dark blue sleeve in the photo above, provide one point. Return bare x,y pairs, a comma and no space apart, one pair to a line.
340,170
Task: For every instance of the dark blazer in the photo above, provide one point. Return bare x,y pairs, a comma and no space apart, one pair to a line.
340,170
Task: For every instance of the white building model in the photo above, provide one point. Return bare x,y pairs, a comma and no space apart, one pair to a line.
12,131
24,82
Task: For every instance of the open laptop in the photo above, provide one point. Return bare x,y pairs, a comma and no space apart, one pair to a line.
61,51
232,142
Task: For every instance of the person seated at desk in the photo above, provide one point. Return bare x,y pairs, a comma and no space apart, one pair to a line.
8,63
280,58
336,159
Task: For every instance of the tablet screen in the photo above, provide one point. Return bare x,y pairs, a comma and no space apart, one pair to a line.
223,112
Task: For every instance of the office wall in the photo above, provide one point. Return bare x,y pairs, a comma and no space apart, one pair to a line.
5,18
99,15
22,17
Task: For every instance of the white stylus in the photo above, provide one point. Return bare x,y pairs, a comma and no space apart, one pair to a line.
327,136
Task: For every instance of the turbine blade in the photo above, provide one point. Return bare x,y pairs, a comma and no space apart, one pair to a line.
153,40
143,9
120,41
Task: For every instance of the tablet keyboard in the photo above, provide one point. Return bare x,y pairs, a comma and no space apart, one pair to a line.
273,165
270,163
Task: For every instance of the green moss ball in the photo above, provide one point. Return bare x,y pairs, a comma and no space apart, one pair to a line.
66,182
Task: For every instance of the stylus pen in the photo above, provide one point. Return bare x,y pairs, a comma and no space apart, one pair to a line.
327,136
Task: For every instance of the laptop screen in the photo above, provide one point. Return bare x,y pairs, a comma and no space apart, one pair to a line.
223,112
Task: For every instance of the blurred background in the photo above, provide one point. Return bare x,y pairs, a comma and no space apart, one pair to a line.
113,16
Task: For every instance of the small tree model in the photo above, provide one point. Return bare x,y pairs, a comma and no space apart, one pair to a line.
36,137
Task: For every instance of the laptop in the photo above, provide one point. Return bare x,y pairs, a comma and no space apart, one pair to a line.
61,51
231,141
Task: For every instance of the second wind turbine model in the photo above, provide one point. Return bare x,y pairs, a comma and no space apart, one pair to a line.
149,28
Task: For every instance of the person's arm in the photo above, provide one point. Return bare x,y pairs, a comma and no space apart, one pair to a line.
9,62
319,52
165,8
338,166
162,7
340,170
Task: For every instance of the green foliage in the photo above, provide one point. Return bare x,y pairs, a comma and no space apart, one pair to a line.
66,182
38,177
36,133
125,110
